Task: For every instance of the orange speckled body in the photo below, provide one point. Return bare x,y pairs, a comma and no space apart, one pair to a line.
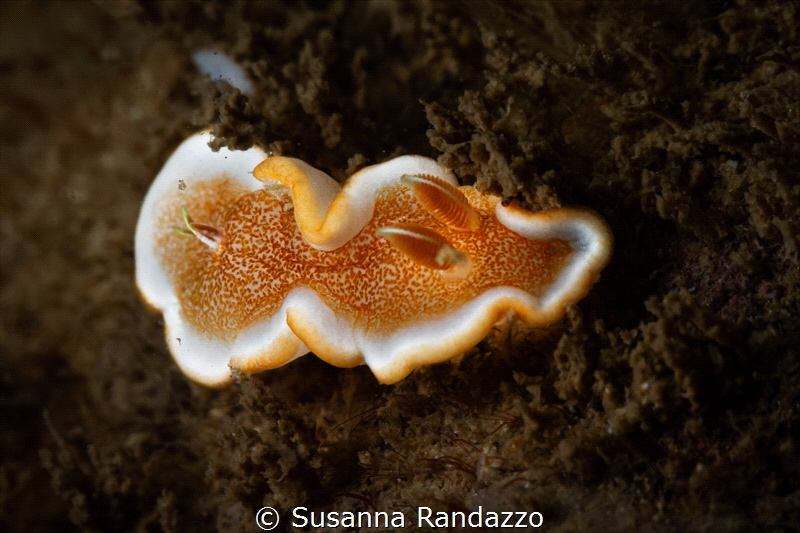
256,261
263,256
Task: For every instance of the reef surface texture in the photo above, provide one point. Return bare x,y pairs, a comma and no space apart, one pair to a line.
666,400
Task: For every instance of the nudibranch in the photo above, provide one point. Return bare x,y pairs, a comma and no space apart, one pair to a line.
257,260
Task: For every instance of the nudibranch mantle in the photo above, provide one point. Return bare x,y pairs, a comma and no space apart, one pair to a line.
286,262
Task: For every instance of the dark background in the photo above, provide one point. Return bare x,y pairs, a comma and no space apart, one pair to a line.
666,400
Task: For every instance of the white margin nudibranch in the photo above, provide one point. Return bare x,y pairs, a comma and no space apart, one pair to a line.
258,260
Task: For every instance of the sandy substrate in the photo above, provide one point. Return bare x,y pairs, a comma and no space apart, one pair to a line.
667,400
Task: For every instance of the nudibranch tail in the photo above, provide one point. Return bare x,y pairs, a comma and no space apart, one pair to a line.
423,245
208,235
446,203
